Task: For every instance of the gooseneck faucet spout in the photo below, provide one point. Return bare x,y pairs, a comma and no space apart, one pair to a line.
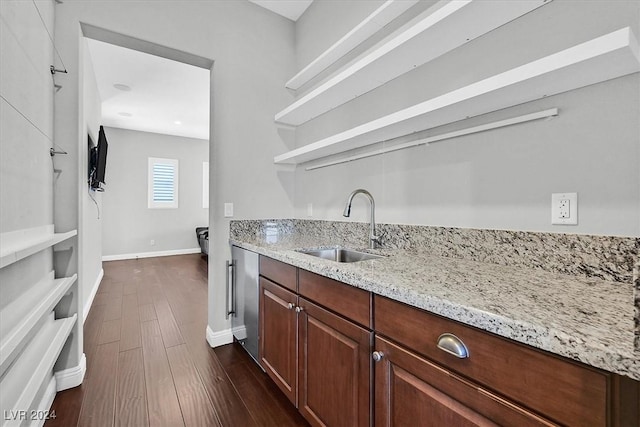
373,238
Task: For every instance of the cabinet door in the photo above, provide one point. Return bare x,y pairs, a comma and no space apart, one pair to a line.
411,390
334,374
278,336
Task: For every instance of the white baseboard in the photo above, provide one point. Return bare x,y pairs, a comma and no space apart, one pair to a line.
94,290
45,402
151,254
216,339
239,332
72,377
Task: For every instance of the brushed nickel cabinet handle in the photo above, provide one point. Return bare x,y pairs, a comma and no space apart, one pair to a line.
451,344
377,356
299,309
291,306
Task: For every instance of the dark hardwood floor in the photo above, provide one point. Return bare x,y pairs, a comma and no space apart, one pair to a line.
148,363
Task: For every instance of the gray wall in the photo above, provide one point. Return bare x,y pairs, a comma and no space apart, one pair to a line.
90,229
128,224
253,50
501,179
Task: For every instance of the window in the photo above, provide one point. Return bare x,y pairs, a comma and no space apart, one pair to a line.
163,183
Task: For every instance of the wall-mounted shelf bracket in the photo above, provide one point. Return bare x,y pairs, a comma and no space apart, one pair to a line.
53,152
54,70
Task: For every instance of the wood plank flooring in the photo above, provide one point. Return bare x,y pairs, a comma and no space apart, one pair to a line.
148,362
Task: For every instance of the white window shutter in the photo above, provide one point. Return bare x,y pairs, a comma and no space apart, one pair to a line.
163,183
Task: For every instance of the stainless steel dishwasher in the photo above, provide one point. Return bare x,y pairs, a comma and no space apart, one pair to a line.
242,298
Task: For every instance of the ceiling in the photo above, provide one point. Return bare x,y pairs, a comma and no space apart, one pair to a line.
291,9
151,94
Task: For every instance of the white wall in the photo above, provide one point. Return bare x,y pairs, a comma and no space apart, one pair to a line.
253,50
314,36
90,230
26,109
502,179
128,224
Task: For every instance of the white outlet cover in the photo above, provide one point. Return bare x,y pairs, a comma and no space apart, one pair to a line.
228,210
560,204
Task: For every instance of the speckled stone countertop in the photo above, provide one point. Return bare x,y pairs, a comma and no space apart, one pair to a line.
589,319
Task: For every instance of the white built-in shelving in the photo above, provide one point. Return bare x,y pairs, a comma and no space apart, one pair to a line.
17,245
24,378
440,29
377,20
31,339
603,58
18,319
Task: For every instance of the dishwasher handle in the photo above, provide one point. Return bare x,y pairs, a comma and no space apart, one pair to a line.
230,300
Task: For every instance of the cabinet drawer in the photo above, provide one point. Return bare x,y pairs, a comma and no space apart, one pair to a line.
350,302
278,272
562,390
409,388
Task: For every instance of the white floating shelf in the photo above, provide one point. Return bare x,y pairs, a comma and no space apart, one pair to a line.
442,28
27,374
20,244
442,137
380,17
18,319
604,58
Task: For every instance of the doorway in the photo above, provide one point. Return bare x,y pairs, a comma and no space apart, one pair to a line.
153,105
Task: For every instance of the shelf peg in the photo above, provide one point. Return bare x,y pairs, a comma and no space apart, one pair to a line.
54,70
53,152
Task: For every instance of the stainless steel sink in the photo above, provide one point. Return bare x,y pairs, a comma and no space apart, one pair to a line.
340,254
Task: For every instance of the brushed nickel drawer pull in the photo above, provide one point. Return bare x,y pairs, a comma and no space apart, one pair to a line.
453,345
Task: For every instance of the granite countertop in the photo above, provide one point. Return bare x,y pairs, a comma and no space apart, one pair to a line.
586,319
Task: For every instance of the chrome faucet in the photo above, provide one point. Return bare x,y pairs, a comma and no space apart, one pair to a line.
373,238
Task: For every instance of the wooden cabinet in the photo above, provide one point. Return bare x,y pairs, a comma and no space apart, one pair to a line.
559,390
412,390
317,335
278,334
325,368
334,359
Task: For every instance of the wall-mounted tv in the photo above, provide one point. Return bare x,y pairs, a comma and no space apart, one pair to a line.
98,162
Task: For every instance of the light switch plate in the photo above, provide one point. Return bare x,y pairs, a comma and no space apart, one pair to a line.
228,210
309,209
564,208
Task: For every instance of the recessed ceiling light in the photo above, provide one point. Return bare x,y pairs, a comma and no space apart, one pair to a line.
124,114
178,122
122,87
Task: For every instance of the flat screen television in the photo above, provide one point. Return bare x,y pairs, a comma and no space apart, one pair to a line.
98,162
